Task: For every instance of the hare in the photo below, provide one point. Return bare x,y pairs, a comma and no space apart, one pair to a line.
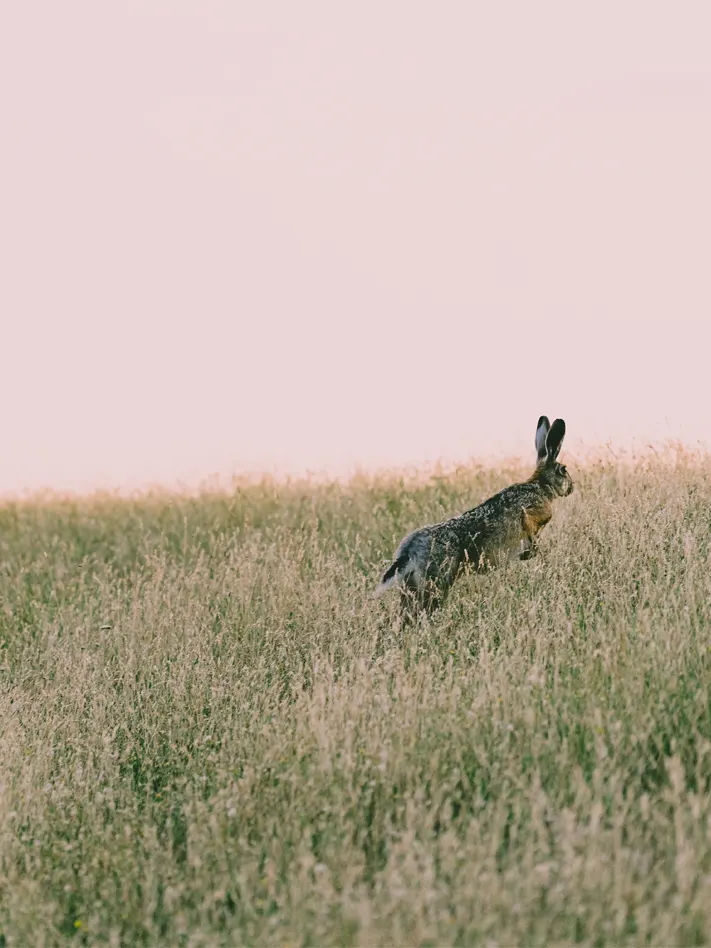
505,526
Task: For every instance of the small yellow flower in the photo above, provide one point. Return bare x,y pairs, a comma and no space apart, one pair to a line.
78,923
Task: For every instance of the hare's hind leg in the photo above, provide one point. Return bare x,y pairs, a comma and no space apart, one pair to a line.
409,606
423,599
418,595
412,599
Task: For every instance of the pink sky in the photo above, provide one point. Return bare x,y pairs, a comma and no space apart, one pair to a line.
243,236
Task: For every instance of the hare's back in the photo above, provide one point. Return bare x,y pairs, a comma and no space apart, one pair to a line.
511,499
496,523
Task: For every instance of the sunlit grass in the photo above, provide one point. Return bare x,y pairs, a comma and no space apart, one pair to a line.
211,734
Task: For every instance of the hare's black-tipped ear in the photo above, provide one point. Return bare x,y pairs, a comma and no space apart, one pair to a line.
554,439
542,429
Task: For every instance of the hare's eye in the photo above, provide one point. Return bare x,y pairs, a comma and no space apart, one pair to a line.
561,469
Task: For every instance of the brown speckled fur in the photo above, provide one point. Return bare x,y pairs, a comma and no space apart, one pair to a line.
429,560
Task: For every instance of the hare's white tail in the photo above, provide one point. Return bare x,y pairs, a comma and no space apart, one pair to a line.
393,575
410,563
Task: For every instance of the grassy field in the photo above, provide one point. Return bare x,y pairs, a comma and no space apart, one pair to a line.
210,735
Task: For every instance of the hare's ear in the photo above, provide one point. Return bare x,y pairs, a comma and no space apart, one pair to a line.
542,429
554,440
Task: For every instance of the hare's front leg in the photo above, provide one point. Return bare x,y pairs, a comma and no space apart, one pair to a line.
529,548
531,526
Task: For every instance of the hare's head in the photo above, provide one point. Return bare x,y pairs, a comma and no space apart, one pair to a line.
549,439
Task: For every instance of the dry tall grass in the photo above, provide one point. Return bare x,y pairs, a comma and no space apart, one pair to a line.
211,735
